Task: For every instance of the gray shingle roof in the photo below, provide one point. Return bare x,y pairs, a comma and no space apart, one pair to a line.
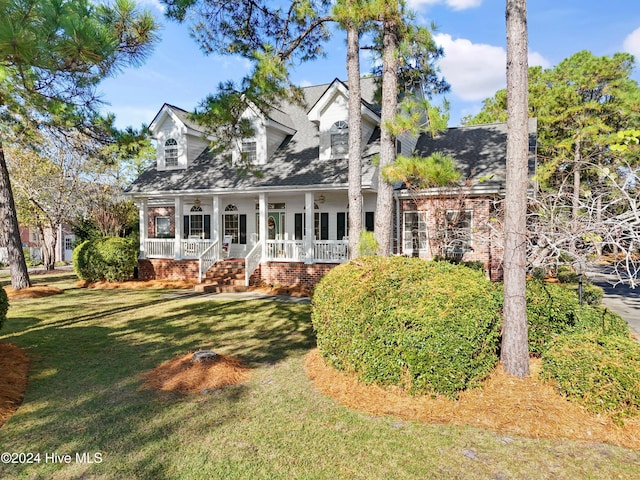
480,151
294,164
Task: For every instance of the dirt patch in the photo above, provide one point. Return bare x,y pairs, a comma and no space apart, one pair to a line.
37,291
504,404
183,375
14,371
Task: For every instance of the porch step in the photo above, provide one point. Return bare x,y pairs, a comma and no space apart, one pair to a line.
226,276
211,288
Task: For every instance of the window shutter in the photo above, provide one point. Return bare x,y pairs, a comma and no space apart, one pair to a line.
341,227
324,226
207,226
298,226
369,221
185,227
243,229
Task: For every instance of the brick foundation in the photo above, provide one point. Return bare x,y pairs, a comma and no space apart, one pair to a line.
290,273
167,269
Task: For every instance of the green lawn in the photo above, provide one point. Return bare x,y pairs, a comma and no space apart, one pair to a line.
84,396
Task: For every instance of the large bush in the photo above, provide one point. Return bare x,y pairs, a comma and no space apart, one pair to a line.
4,306
110,258
600,372
554,310
426,326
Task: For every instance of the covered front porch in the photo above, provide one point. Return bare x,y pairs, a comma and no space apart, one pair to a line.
260,227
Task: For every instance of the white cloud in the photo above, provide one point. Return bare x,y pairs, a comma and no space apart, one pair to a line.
454,4
476,70
632,44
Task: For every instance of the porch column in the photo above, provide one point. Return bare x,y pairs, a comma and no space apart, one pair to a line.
215,221
177,250
262,227
308,227
143,213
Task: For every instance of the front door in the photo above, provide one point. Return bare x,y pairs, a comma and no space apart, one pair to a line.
275,225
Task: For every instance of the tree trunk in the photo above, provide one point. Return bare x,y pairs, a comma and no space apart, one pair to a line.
515,349
384,204
355,139
50,240
10,235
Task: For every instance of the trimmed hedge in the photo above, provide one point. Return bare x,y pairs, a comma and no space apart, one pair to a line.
554,310
600,372
111,258
4,306
429,327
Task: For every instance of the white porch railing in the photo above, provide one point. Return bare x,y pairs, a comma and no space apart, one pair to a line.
164,247
330,251
159,248
193,248
293,250
285,250
207,259
252,261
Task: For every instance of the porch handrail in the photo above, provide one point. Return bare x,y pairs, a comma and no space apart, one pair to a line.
206,259
252,261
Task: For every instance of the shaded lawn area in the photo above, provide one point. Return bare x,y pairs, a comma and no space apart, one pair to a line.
89,349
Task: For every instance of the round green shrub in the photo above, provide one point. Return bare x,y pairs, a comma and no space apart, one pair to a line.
4,306
554,310
429,327
600,372
111,258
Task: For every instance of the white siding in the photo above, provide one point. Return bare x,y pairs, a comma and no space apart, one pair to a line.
274,140
335,111
172,129
195,146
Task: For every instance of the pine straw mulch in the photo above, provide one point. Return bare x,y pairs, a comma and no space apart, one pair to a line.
37,291
504,404
183,375
14,371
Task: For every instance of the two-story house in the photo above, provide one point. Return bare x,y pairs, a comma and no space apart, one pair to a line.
289,224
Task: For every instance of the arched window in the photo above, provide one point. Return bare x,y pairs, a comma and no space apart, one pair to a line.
171,153
339,139
231,222
196,222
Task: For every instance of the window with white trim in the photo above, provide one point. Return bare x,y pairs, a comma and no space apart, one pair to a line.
171,153
414,232
249,151
231,223
339,139
163,227
196,222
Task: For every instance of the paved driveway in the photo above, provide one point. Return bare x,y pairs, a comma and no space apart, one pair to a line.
622,299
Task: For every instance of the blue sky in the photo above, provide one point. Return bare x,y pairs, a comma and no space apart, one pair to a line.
472,33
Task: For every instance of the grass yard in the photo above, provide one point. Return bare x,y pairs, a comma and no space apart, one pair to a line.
91,348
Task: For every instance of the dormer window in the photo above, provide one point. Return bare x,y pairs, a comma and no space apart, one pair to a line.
171,153
339,139
249,151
